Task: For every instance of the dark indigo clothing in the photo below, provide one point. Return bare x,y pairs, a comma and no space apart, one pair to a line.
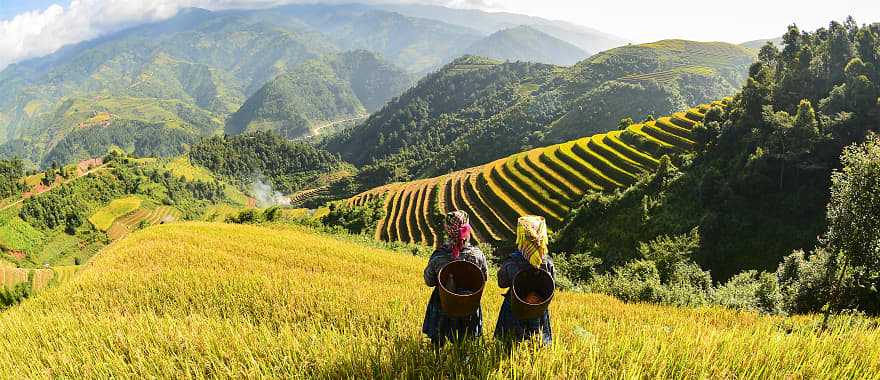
508,326
437,325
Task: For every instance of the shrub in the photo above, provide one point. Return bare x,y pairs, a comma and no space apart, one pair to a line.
573,270
671,253
636,281
248,216
356,219
751,290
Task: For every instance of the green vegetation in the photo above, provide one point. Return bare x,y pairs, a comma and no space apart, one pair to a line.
77,216
239,301
476,110
322,91
756,186
133,137
11,174
246,159
356,219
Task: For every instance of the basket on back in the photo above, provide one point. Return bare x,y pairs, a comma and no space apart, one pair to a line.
461,286
532,292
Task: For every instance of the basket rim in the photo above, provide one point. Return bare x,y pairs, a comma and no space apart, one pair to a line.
519,299
443,287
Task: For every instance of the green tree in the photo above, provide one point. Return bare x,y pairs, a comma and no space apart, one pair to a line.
853,230
624,123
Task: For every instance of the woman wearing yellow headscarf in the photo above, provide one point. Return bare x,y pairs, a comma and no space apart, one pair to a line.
531,242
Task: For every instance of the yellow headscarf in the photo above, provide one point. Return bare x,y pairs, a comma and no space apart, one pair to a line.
531,239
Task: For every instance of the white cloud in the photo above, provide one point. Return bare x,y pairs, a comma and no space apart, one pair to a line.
38,33
42,32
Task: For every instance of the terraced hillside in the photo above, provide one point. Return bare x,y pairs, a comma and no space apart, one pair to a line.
151,216
39,279
545,181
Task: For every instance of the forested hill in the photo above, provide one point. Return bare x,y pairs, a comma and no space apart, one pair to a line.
188,74
334,88
525,43
475,110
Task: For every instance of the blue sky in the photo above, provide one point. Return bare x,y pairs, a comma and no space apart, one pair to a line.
10,8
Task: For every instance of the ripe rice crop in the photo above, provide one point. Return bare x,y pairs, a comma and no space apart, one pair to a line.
200,300
547,181
130,222
105,217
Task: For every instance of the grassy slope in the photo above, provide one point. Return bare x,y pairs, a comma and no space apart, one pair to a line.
201,299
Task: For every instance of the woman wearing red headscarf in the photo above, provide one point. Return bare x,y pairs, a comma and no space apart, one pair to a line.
439,326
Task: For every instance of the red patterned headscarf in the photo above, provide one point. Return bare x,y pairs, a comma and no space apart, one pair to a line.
458,231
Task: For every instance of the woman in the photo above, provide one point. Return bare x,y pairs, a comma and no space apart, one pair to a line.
531,241
439,326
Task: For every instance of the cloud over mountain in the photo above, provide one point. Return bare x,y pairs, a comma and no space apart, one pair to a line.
41,32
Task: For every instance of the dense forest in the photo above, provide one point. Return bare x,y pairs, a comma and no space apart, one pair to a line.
11,172
138,138
757,189
289,166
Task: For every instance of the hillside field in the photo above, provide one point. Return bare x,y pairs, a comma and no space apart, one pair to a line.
545,181
215,300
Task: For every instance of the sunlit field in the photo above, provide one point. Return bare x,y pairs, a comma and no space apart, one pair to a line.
216,300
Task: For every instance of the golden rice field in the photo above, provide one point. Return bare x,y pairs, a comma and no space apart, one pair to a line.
103,219
545,181
39,279
151,215
199,300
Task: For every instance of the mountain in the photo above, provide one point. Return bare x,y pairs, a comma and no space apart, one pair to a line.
524,43
183,74
189,73
190,76
588,39
345,86
416,44
758,44
476,110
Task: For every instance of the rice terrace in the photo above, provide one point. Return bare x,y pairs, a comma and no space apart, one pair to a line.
439,190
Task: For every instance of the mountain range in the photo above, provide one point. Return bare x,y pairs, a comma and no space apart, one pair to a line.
202,73
476,110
